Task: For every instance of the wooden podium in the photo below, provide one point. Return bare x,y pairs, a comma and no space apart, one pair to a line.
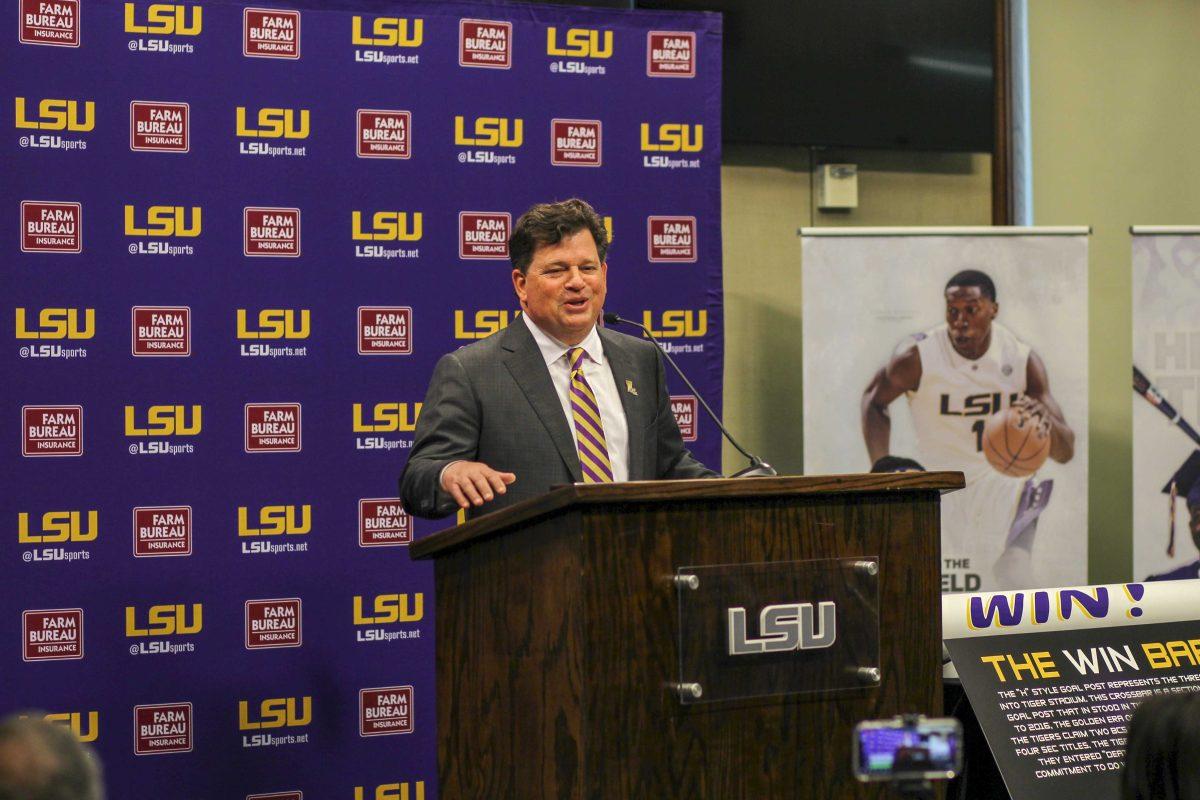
558,638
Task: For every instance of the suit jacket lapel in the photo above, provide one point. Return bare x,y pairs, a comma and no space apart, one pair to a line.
623,369
524,362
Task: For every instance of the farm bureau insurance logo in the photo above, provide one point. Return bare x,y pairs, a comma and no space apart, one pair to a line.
273,428
271,232
385,330
58,119
57,528
578,43
162,222
161,331
575,143
160,622
51,226
52,635
162,728
386,226
671,54
383,522
274,521
483,234
384,133
274,714
393,418
270,33
54,324
385,711
162,531
51,431
671,239
683,406
386,33
388,609
54,23
157,428
273,324
274,623
163,20
267,124
159,127
485,43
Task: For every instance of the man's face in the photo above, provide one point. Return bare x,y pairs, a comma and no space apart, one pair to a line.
563,289
969,315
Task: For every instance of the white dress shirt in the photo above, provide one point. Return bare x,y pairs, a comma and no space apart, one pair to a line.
598,374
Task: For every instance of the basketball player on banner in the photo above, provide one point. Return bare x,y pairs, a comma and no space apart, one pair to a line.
981,404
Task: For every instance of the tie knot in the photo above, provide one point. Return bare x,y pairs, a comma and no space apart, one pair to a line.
575,358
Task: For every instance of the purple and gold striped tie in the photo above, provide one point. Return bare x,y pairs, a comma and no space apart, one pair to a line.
589,430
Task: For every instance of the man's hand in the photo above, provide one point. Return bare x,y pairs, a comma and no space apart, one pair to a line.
474,483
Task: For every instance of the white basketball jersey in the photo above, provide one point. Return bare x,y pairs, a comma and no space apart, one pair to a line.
956,396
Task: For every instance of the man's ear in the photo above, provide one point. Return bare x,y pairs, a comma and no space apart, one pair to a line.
518,279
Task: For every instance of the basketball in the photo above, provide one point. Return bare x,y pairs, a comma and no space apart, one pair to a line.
1016,442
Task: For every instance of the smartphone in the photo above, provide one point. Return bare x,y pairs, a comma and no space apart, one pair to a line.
908,749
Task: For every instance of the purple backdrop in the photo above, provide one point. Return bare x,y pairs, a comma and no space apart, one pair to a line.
143,329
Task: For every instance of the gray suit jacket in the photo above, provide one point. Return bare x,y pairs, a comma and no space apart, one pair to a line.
493,401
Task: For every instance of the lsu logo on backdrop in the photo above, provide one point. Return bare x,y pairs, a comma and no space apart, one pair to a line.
575,142
164,620
672,137
483,234
387,32
294,795
272,428
161,331
275,521
384,134
164,221
53,22
388,609
386,710
388,226
162,531
671,54
388,418
485,43
275,323
271,232
274,623
162,728
385,330
164,421
579,43
159,127
59,527
88,731
51,431
52,635
490,132
684,408
270,33
57,323
164,19
677,323
383,522
56,115
274,123
484,323
48,226
671,239
409,790
275,715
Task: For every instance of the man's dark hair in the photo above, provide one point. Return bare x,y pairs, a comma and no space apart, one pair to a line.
973,277
896,464
41,760
1163,749
548,223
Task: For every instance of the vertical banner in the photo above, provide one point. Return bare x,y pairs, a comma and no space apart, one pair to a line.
958,349
1166,403
237,238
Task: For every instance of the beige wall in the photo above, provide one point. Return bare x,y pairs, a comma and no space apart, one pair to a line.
1115,113
767,198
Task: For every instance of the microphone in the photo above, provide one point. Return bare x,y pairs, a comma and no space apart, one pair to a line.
758,468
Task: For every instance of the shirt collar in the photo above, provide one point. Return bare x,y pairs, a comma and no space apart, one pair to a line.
552,349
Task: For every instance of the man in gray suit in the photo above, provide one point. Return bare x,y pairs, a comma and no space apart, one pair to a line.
551,399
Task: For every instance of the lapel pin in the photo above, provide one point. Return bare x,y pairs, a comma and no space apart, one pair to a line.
629,387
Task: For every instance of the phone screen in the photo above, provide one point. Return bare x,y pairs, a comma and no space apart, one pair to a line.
888,750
